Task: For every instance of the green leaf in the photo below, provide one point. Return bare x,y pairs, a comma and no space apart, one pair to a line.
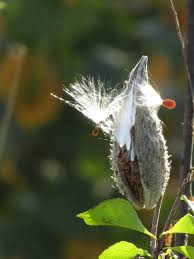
123,250
190,203
184,225
188,251
114,212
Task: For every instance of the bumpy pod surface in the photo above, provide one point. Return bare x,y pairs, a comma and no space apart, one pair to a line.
152,155
141,167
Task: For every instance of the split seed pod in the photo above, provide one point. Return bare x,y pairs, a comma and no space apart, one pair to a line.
139,153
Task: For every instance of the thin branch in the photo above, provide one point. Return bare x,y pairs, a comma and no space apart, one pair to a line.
181,239
183,49
154,229
20,52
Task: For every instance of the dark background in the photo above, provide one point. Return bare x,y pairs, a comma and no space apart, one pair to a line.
51,167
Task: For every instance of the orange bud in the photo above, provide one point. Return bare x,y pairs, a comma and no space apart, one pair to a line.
169,104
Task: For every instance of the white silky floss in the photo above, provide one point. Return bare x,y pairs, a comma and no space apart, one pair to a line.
94,102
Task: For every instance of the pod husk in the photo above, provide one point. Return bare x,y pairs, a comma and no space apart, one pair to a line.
144,180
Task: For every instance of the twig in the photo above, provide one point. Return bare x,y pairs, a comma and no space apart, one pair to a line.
183,49
154,229
20,52
181,239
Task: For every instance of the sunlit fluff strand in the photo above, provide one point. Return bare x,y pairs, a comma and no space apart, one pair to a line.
94,102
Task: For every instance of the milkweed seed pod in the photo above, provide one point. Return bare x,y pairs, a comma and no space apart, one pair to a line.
139,153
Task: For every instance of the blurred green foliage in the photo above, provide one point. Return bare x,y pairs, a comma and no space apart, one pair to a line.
52,168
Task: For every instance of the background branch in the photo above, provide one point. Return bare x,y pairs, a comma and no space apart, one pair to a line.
188,58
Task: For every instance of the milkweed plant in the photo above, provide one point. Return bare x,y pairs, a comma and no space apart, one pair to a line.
139,159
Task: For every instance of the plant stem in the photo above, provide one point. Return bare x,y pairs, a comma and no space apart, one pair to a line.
154,229
181,239
188,58
183,50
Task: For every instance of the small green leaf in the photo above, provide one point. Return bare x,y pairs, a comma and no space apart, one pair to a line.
184,225
188,251
123,250
114,212
190,203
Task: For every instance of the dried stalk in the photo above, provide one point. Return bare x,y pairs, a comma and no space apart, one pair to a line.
185,177
188,111
183,49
